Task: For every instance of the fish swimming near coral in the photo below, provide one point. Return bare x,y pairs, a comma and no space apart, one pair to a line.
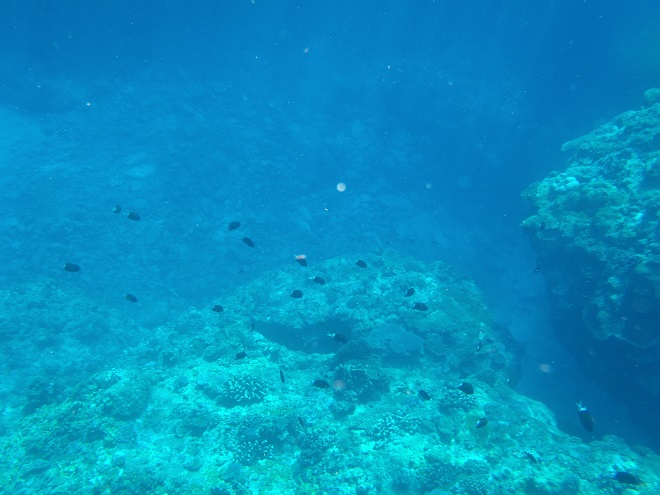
319,280
241,355
131,215
627,478
131,297
466,388
71,267
248,242
217,308
321,384
361,263
481,423
586,418
342,339
409,292
424,394
297,294
116,209
281,375
420,306
233,225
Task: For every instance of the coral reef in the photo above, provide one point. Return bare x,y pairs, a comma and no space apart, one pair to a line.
594,229
178,413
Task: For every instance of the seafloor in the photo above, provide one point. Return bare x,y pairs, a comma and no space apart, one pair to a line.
182,411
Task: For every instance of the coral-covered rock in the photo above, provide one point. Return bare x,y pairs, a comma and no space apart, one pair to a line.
598,248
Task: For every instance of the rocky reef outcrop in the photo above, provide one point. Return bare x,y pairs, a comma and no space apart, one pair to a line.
595,230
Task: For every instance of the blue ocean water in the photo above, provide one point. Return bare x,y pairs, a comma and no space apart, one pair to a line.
434,115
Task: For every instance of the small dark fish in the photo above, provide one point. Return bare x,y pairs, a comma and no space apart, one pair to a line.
361,263
319,280
542,226
626,477
252,325
420,307
282,376
302,261
586,418
241,355
466,387
131,215
248,242
131,297
71,267
297,294
321,384
217,308
530,457
302,422
409,292
234,225
424,394
338,337
481,423
116,209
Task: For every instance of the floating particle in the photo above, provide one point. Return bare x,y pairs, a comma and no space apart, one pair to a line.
297,294
248,242
71,267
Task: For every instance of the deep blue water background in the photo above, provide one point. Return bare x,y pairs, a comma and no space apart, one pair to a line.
435,114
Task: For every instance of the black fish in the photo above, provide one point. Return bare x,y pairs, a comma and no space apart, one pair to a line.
361,263
321,384
131,297
248,242
338,337
586,418
301,261
297,294
481,423
131,215
420,307
71,267
217,308
466,387
241,355
116,209
530,457
234,225
424,394
409,292
302,422
319,280
282,376
626,477
542,226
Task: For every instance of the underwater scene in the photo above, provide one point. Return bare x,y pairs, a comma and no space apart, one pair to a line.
334,248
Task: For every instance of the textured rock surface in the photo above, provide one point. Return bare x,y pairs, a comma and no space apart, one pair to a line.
598,246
